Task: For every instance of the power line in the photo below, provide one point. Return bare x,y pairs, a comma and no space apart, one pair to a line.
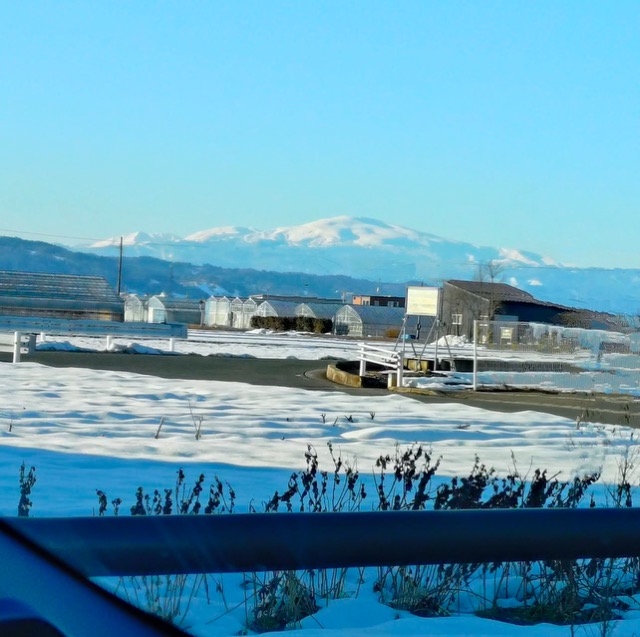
44,234
115,240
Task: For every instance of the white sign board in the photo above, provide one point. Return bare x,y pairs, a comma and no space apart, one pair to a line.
422,301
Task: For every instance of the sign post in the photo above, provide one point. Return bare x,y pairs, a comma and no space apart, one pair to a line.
425,301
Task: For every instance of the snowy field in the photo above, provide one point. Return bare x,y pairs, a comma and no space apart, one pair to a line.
252,344
85,430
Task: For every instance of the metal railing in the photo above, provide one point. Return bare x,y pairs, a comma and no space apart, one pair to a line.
20,331
90,327
41,595
18,343
383,357
152,545
44,559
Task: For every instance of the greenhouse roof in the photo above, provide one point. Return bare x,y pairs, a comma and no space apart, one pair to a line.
173,303
376,313
322,310
51,287
282,308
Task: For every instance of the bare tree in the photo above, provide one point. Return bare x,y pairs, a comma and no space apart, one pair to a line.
490,272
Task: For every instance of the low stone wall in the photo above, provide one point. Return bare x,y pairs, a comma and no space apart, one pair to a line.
343,378
346,373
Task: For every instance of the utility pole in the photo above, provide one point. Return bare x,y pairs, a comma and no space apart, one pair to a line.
120,268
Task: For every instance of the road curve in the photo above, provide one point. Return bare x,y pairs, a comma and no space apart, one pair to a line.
310,374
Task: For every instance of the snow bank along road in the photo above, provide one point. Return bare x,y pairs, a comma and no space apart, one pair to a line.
306,374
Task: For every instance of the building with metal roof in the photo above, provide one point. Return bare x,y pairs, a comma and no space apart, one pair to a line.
466,301
58,296
384,300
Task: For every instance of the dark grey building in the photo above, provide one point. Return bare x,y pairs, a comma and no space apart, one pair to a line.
465,301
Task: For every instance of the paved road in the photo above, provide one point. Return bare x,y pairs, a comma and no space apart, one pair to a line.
613,410
617,410
257,371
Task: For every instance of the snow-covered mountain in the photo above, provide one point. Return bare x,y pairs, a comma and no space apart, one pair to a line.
136,239
368,248
339,245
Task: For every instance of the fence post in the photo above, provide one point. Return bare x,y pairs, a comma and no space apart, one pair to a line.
172,344
475,354
363,360
17,343
400,367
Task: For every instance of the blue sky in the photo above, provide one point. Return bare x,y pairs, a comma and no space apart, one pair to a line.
501,123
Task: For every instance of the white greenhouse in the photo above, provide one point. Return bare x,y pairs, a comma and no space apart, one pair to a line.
136,308
217,312
273,307
319,310
237,317
367,320
165,309
249,309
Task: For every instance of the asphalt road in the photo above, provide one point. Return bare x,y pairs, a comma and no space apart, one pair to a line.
617,410
256,371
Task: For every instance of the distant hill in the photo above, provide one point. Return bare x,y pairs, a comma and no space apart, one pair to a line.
148,275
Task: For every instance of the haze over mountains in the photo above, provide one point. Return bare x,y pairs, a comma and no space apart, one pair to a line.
371,249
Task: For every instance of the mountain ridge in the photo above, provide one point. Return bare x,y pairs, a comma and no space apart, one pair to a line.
339,231
148,275
359,247
366,253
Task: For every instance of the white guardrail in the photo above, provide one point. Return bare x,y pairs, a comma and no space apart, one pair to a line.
18,333
385,358
18,343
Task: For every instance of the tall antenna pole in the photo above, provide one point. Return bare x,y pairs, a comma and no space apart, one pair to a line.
120,268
